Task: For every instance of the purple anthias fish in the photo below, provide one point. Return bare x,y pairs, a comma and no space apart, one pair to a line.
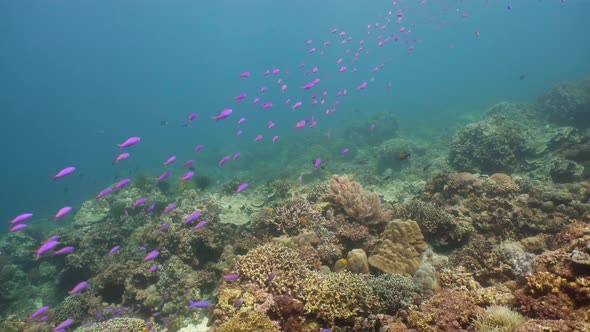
169,208
121,184
150,209
198,304
258,138
21,218
79,287
200,225
139,202
131,141
17,228
104,192
275,138
45,247
152,255
39,312
164,227
239,132
245,74
266,105
63,325
192,116
163,176
239,302
224,114
188,163
120,157
263,89
170,160
187,176
231,276
64,250
241,187
344,151
64,172
362,86
241,97
241,120
317,163
296,105
153,268
62,212
114,250
270,278
198,148
52,238
236,156
223,161
192,218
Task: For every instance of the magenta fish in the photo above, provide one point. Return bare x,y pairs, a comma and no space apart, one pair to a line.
300,124
39,312
187,176
199,225
192,218
45,247
131,141
104,192
17,228
256,100
163,176
169,208
78,288
258,138
120,157
20,218
224,114
344,151
64,172
240,97
245,74
198,148
152,255
170,160
236,156
114,250
276,71
63,325
241,187
153,268
296,105
316,163
223,161
231,276
275,138
164,227
263,89
241,120
62,212
239,132
64,250
192,116
362,86
188,163
150,209
121,184
266,105
199,304
139,202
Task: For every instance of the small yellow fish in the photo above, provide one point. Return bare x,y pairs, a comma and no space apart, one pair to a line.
303,220
343,261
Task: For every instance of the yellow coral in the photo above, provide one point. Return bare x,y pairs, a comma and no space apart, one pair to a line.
358,204
247,320
541,283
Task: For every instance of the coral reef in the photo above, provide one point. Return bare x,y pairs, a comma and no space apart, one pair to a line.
400,249
567,104
395,291
498,319
118,324
247,321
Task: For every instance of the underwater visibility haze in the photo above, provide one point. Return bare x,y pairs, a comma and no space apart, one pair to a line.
407,165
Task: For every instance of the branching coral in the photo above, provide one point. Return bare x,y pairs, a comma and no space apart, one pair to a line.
288,218
358,204
338,297
395,291
272,259
247,320
400,249
118,324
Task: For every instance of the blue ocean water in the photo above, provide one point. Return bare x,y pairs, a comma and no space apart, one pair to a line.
78,77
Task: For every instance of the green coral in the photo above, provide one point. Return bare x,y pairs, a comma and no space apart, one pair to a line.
247,320
117,324
273,258
394,290
338,297
74,307
498,319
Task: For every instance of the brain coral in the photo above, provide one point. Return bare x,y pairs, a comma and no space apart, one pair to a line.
273,259
401,248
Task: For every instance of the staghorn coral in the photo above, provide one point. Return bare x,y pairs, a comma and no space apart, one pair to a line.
542,283
358,204
400,249
272,258
119,324
394,290
338,297
498,319
247,320
447,310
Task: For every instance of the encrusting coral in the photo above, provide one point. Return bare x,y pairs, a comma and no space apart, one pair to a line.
400,249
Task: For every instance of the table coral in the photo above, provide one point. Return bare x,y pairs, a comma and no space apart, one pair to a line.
400,249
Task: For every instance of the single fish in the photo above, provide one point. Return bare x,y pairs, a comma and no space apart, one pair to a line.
239,302
344,151
169,208
45,247
224,114
64,250
240,97
131,141
149,209
241,120
139,202
316,163
64,172
300,124
20,218
263,89
163,176
245,74
39,312
199,304
152,255
187,176
170,160
121,184
270,124
223,161
239,132
231,276
241,187
104,192
192,116
198,148
192,218
270,278
266,105
236,156
114,250
258,138
153,268
78,288
296,105
266,72
200,225
275,138
276,71
362,86
164,227
17,228
62,212
61,327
